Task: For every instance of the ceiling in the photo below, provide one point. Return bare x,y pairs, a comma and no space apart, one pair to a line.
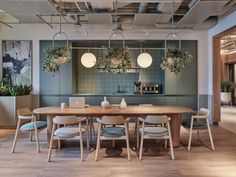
228,43
117,15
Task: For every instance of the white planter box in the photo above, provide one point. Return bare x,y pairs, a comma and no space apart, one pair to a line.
225,97
8,107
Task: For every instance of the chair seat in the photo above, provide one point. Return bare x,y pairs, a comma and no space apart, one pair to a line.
113,131
67,132
30,126
198,125
154,131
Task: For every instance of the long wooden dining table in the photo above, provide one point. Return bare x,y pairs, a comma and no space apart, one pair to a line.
174,112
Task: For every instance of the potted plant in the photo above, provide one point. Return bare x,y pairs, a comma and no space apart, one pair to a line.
175,60
115,60
55,57
225,95
12,98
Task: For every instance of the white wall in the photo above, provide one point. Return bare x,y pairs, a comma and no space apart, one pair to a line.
38,32
223,24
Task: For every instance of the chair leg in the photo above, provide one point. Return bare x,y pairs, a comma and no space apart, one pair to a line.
190,135
137,135
88,137
91,125
135,127
113,143
36,136
210,135
50,150
141,148
171,149
127,140
58,144
87,133
50,145
198,137
58,140
81,142
98,142
170,141
16,134
31,135
165,143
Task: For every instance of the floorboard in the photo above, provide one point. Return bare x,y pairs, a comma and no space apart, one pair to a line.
199,162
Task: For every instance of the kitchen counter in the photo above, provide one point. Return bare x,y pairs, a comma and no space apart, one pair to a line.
129,95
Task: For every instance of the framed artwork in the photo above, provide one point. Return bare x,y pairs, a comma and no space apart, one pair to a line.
17,62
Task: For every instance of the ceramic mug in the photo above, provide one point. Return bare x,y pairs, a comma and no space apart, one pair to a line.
63,105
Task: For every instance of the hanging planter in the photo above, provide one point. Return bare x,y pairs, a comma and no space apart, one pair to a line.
175,60
55,57
115,59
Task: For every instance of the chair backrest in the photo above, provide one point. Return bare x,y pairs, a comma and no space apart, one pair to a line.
156,119
65,120
203,112
24,113
112,120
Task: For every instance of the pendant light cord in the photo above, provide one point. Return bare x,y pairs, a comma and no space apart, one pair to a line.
172,24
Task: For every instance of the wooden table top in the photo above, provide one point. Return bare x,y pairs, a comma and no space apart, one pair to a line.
114,110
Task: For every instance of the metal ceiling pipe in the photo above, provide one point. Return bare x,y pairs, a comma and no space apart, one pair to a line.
142,7
191,3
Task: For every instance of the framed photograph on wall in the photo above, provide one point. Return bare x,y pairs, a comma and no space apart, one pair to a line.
17,62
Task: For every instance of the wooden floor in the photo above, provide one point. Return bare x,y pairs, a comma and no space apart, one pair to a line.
228,118
199,162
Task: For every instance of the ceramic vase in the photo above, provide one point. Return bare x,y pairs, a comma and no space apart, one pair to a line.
105,104
123,104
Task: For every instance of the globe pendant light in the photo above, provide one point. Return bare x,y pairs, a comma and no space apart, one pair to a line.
144,59
88,60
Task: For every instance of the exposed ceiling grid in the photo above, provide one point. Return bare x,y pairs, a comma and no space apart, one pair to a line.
131,14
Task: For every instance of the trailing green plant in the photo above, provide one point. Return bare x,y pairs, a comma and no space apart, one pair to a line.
226,86
4,89
14,90
175,60
50,63
114,60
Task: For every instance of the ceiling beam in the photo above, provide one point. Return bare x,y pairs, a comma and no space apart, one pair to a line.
131,1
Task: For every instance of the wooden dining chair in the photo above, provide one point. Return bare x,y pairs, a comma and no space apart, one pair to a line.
113,132
198,123
27,122
156,132
87,127
137,123
66,132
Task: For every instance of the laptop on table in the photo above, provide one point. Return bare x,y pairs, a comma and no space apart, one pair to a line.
77,102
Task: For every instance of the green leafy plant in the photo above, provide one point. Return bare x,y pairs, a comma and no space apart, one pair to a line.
175,60
114,60
51,62
226,86
14,90
4,89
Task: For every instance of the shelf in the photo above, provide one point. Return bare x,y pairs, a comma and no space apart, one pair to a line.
131,70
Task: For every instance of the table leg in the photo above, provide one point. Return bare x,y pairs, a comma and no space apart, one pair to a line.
175,129
49,127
